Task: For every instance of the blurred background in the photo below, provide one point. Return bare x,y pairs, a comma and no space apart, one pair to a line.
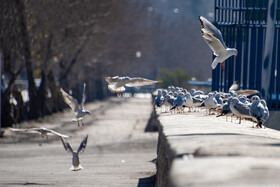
48,44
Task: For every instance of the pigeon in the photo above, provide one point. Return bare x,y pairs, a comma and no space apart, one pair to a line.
226,109
214,39
266,111
257,110
43,131
116,84
159,99
239,109
79,110
75,160
179,102
211,103
196,92
234,87
189,101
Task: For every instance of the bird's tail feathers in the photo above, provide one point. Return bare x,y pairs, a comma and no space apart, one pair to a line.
214,63
79,167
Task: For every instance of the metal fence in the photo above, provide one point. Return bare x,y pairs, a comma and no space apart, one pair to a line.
244,26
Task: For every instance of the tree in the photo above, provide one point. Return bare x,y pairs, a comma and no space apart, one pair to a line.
173,78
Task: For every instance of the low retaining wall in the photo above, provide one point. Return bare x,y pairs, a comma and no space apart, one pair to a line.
195,149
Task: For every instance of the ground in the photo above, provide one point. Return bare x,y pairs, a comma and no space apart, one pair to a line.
118,153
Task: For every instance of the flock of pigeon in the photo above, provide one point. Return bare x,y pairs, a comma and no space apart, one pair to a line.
234,103
80,112
116,85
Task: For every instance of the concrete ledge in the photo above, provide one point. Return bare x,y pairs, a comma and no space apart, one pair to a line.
195,149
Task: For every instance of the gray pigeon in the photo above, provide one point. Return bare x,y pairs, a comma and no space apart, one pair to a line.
239,109
75,160
159,99
257,110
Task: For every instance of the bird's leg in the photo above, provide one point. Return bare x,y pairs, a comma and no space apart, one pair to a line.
223,66
78,123
119,93
82,123
240,120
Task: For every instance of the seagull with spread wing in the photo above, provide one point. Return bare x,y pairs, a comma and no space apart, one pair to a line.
43,131
75,160
79,110
214,39
116,84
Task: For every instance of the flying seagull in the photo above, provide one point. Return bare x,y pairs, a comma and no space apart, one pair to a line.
214,39
43,131
116,84
79,110
75,160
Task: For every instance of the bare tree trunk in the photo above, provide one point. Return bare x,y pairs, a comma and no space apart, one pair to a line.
34,109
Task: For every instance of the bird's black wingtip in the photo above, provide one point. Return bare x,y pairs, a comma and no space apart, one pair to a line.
201,22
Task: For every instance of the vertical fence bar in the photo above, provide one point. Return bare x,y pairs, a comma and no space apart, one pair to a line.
252,67
245,57
277,107
259,58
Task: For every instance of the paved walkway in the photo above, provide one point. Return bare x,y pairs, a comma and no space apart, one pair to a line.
196,149
118,151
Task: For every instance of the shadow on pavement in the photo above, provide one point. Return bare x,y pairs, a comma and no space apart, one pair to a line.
147,182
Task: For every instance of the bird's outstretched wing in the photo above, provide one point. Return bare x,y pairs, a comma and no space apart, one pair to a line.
111,80
138,81
208,27
71,101
247,92
66,145
84,96
213,43
83,145
58,134
32,130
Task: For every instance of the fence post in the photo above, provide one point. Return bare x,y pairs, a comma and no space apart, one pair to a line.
268,48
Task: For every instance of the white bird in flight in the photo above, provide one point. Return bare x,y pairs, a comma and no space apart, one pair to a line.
214,39
116,84
75,159
43,131
79,110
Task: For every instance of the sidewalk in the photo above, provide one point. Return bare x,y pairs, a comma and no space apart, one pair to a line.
118,151
195,149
